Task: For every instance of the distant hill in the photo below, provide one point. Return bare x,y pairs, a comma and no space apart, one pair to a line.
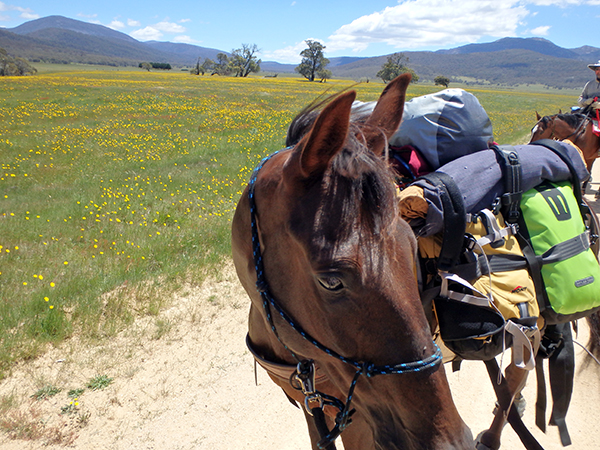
537,45
272,66
62,40
587,53
506,67
187,52
507,61
64,23
97,45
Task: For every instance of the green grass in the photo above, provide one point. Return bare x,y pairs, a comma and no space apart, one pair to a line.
116,187
99,382
45,392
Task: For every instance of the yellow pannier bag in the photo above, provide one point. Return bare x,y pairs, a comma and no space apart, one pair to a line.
513,291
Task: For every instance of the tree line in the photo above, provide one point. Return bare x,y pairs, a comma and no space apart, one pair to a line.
313,65
153,65
242,62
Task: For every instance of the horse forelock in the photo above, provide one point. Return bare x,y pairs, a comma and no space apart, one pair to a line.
356,197
543,123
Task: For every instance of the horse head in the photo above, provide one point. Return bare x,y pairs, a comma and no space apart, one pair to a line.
319,229
577,128
543,128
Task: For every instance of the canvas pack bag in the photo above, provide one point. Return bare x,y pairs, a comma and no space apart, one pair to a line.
481,310
444,126
503,202
435,129
491,256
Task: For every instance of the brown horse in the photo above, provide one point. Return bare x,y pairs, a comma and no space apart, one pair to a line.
577,128
329,266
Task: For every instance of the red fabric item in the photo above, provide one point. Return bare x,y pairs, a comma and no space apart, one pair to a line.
408,163
411,156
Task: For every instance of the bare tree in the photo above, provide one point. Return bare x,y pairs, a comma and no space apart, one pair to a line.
244,60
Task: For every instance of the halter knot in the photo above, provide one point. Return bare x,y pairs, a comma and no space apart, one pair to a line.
262,286
368,369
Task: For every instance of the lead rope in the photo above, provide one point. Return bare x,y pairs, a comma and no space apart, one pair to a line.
343,417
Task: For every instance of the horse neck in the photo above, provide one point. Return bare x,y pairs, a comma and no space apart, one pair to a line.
587,142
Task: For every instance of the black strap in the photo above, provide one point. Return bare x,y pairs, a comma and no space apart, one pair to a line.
557,347
484,264
562,154
541,400
455,219
562,370
512,174
321,425
535,269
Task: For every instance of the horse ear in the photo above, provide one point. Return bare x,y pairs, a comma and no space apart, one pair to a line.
386,116
537,116
327,136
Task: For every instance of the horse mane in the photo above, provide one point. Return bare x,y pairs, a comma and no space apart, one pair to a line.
573,120
359,183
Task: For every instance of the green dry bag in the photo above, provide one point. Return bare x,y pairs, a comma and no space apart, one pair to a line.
570,274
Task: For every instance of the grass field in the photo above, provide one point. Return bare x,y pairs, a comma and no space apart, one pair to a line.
117,186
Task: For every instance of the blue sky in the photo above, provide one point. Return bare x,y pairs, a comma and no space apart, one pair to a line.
346,28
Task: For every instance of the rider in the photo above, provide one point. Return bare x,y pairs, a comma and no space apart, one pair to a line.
591,90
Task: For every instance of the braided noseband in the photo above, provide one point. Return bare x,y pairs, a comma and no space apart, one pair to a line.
362,368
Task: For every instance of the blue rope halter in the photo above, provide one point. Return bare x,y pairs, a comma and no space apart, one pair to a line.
362,368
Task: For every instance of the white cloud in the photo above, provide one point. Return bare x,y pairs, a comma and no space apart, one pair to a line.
540,31
26,13
562,3
289,54
116,25
185,20
147,34
29,15
4,7
430,23
155,32
133,23
169,27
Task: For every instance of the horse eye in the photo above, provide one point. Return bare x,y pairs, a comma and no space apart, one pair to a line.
331,282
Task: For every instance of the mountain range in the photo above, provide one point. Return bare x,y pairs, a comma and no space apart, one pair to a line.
507,61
